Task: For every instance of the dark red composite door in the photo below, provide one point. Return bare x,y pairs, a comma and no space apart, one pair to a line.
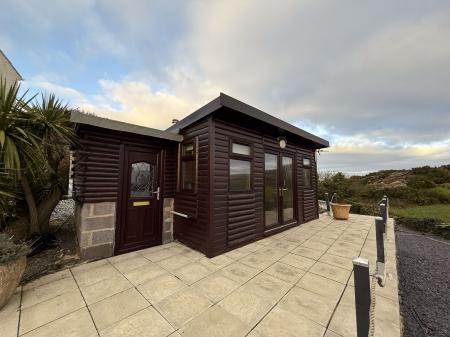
140,200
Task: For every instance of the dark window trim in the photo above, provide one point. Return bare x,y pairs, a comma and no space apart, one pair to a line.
186,158
243,157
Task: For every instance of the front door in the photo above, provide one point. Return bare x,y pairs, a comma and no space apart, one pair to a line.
278,189
140,216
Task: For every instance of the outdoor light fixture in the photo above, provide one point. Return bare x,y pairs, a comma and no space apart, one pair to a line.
282,142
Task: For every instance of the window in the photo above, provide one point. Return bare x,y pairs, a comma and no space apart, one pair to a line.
239,175
240,149
306,173
188,167
240,167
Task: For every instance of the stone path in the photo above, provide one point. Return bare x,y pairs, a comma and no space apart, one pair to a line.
296,283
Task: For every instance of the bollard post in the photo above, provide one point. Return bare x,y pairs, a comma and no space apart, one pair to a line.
362,295
383,214
379,226
386,198
327,200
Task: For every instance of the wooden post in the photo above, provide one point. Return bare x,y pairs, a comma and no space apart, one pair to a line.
362,295
379,227
327,200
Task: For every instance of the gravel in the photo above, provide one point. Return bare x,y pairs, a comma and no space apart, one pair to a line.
424,283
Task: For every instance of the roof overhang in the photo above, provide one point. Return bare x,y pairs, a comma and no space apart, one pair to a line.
232,103
105,123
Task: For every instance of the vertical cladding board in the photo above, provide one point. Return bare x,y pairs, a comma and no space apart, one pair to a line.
309,195
195,231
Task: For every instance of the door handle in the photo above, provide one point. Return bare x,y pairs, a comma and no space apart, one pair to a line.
157,192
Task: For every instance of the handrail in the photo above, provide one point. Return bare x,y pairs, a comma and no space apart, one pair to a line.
180,214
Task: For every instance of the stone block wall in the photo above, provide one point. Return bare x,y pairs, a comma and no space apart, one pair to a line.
95,224
167,232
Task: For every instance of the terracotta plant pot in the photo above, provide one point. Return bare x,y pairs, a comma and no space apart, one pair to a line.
340,211
10,275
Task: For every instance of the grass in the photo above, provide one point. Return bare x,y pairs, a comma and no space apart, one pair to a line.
438,211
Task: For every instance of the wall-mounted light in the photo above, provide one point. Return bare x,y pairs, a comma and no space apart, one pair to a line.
282,142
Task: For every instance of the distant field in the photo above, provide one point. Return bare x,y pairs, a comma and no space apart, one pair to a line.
439,211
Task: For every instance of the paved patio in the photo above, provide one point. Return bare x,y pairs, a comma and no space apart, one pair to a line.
296,283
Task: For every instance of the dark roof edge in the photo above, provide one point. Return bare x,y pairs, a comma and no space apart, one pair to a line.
111,124
12,65
232,103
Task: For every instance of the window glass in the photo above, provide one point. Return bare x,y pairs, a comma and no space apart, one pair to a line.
306,162
306,177
288,196
239,175
240,149
188,175
188,149
270,189
142,179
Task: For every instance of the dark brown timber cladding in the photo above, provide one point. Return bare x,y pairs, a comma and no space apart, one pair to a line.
194,231
237,217
309,195
97,159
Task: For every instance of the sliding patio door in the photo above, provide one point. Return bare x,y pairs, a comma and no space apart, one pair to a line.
278,189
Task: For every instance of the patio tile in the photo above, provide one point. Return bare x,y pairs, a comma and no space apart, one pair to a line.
106,288
298,261
343,252
316,245
308,252
160,287
343,321
151,249
45,312
284,323
145,273
182,306
9,316
332,272
48,278
215,322
159,255
258,260
283,244
76,324
313,306
117,307
193,272
248,307
85,277
239,272
47,291
338,261
322,286
194,255
130,264
216,286
330,333
217,261
274,252
174,262
123,257
285,272
179,249
267,286
145,323
237,254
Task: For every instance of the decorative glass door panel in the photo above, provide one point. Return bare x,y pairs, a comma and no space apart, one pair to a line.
287,189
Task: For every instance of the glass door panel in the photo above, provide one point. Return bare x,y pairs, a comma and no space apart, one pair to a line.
287,189
271,189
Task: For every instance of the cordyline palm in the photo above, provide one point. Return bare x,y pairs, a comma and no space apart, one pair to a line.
34,135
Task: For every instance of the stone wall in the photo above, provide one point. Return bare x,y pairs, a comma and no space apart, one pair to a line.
167,232
95,224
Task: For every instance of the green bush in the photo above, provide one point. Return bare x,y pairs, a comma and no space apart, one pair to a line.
10,251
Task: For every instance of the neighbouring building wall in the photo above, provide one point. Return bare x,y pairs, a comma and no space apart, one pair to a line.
96,181
7,71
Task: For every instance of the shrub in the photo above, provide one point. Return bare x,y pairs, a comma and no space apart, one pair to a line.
10,251
426,225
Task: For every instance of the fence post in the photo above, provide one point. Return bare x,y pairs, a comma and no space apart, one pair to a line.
362,295
383,214
327,200
379,226
386,198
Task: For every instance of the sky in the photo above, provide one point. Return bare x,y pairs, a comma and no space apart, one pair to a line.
372,77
